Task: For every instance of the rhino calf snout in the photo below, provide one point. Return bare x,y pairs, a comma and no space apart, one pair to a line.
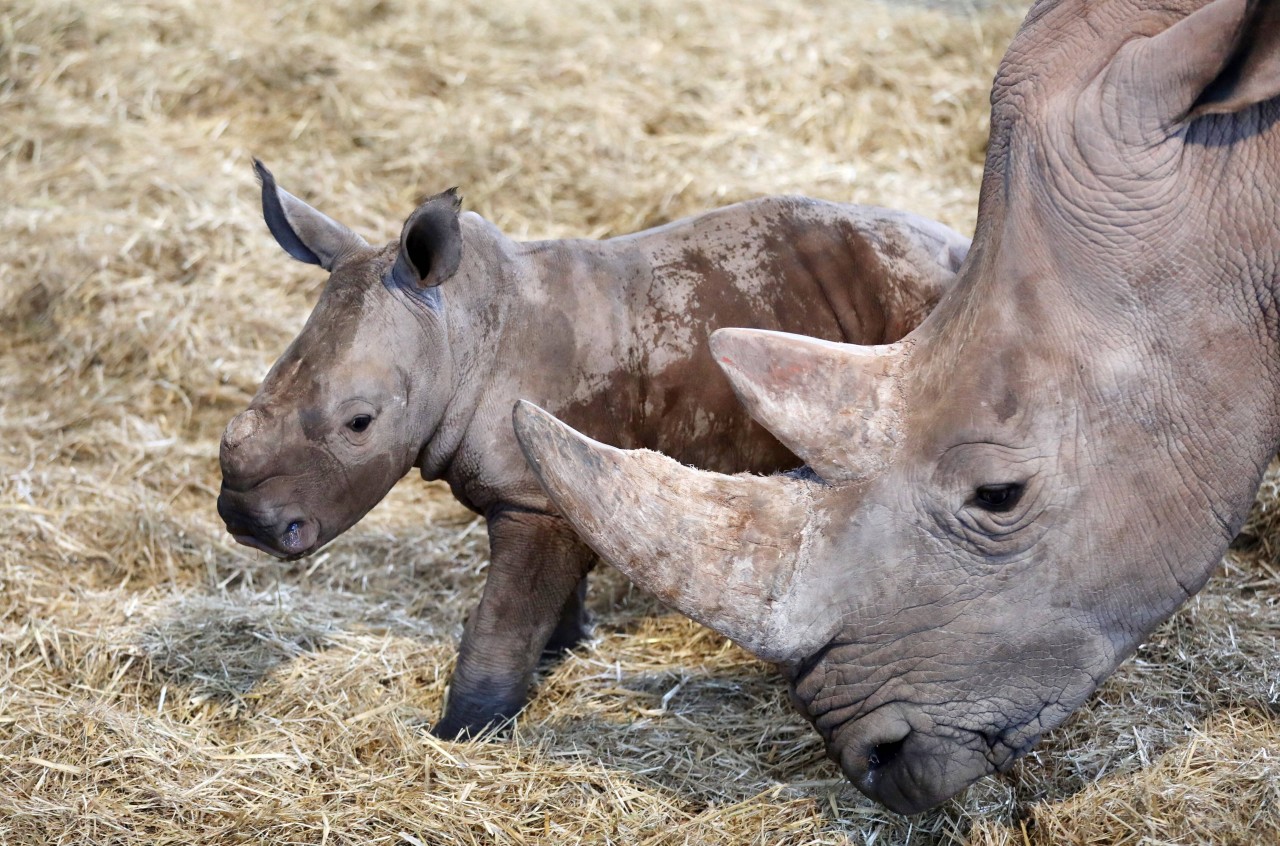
287,535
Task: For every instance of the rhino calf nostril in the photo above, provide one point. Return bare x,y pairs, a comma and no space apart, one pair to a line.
292,533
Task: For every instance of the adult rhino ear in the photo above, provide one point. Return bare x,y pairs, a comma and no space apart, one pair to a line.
1222,58
431,243
303,232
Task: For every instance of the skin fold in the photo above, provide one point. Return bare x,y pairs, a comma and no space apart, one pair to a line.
998,508
417,350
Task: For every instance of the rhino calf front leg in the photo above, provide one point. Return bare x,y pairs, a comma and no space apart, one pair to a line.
532,601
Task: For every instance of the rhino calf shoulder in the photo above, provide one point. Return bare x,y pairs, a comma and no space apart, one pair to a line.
417,350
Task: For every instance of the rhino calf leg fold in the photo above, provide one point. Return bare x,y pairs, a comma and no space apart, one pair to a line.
574,626
533,591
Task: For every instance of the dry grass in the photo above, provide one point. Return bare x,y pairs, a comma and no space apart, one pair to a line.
160,685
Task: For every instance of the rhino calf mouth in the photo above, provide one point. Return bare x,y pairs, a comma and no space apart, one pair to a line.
253,543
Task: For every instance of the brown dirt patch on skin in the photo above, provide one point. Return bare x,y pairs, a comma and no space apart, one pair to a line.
159,684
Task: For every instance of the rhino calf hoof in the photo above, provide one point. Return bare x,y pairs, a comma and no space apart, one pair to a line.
480,710
567,636
482,724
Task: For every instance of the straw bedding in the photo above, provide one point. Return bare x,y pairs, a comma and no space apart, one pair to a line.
159,684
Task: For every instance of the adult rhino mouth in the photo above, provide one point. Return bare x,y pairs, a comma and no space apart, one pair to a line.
254,543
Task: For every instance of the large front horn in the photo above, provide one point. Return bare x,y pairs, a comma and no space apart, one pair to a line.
836,406
724,550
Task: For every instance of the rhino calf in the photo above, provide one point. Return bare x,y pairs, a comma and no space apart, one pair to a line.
417,350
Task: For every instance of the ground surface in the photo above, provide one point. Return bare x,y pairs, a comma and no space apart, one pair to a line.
160,685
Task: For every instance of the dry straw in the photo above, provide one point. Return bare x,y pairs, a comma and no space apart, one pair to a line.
160,685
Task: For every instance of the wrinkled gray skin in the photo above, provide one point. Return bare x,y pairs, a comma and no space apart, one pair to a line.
417,350
1002,505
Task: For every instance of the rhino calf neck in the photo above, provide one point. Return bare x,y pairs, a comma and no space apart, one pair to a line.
417,350
1006,502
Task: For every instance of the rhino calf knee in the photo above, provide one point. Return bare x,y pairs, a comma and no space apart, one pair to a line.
418,349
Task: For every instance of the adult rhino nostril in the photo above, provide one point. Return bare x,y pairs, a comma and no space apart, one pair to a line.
874,747
884,754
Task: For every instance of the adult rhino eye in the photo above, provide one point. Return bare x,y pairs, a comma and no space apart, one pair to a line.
359,423
998,497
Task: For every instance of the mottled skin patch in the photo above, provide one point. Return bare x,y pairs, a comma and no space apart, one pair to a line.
610,334
1002,505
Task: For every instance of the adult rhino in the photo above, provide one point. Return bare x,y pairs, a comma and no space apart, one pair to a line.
1003,504
417,350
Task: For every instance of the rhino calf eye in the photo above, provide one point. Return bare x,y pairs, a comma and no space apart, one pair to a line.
998,497
359,423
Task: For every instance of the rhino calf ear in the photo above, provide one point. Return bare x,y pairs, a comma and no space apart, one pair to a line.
430,243
303,232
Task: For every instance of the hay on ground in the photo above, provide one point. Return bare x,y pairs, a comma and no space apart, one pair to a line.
160,685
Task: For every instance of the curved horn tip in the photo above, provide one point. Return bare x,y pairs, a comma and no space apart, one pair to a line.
543,439
746,349
720,549
724,340
769,341
729,344
784,356
729,339
833,404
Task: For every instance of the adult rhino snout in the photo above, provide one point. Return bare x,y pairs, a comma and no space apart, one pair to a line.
905,769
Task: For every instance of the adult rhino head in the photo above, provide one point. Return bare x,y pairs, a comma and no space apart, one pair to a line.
1001,506
336,412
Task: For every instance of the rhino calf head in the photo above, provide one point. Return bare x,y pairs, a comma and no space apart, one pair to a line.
1001,506
336,412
